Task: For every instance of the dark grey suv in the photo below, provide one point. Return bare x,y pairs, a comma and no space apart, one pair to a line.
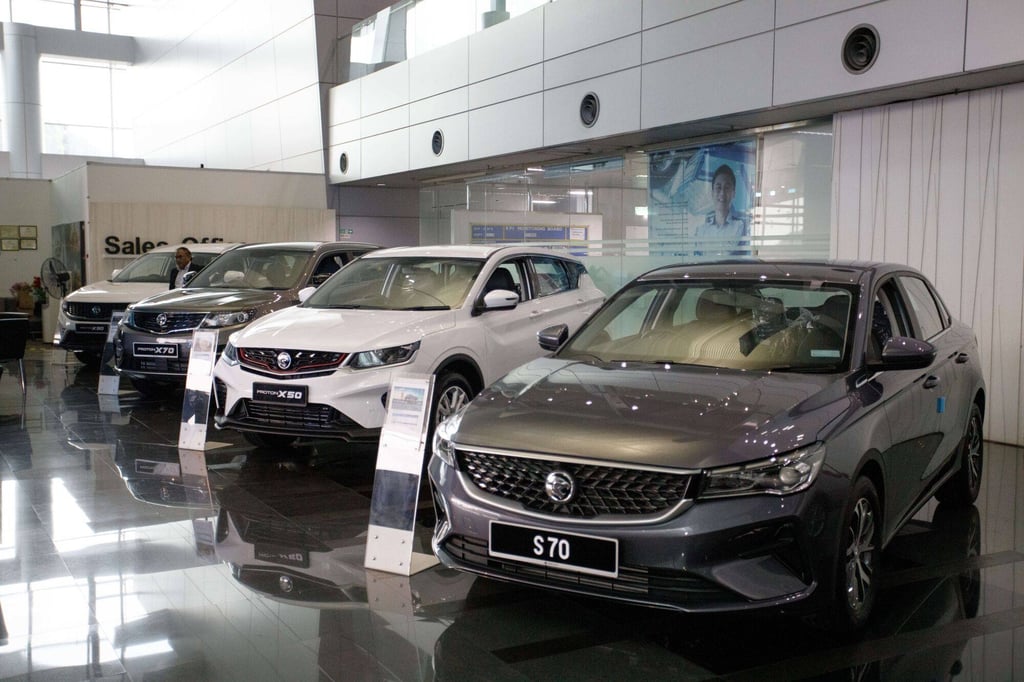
720,437
154,340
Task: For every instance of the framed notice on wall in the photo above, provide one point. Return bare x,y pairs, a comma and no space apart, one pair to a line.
27,232
8,232
9,244
27,244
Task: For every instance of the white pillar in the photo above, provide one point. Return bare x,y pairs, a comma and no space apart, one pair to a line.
22,106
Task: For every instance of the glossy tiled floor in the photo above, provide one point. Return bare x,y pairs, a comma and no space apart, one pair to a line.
112,568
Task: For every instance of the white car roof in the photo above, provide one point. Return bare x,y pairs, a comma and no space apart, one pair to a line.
481,251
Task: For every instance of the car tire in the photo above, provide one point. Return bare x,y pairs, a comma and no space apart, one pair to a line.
268,440
451,391
859,560
963,487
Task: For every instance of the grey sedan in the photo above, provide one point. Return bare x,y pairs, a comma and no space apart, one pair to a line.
720,437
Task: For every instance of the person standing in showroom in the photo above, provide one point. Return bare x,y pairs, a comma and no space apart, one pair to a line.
183,261
725,229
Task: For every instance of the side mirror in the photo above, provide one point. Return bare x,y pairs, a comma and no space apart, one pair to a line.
305,293
115,272
500,299
903,352
188,276
552,338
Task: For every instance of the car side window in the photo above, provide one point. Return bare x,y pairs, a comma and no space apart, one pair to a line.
327,266
888,319
930,320
507,274
550,275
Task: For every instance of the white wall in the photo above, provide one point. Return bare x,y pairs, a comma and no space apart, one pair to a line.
227,84
24,202
936,184
516,87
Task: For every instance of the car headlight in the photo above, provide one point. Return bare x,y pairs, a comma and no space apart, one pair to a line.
384,356
229,319
444,448
779,475
230,355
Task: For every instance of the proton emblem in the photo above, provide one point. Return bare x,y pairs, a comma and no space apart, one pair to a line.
96,310
161,320
560,487
285,584
284,360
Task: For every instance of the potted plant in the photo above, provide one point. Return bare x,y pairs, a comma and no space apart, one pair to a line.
23,292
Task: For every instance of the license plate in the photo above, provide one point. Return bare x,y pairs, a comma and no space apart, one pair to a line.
583,553
91,328
155,350
280,394
286,556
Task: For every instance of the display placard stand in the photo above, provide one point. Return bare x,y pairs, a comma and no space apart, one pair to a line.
195,407
396,485
110,381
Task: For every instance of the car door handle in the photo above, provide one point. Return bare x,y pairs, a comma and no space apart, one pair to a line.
931,382
961,358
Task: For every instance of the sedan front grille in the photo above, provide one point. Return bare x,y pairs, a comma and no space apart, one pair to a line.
262,360
601,490
172,322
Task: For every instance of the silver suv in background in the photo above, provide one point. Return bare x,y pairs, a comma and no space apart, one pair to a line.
84,316
154,339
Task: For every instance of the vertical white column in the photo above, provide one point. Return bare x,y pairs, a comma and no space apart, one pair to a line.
22,106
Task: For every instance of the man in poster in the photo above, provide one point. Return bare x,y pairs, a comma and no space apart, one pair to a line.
724,228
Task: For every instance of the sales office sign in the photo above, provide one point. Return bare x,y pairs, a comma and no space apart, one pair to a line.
116,246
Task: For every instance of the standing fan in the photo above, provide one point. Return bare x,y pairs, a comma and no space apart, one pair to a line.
55,277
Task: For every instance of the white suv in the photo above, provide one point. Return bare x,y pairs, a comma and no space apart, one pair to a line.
466,314
84,316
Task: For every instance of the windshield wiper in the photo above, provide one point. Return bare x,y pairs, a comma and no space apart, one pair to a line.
427,307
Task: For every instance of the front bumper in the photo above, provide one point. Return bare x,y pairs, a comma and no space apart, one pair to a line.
170,366
341,404
730,554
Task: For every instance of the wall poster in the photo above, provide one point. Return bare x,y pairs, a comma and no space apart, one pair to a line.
701,200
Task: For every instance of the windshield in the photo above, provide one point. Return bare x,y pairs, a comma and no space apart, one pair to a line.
399,283
260,268
156,267
783,326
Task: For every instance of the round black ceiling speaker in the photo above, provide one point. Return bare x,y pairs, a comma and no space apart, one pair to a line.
860,49
437,142
590,109
343,163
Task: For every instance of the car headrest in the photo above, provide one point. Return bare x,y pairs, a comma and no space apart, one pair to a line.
716,304
500,279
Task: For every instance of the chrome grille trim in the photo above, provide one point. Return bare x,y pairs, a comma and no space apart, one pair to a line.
176,322
78,310
304,362
611,493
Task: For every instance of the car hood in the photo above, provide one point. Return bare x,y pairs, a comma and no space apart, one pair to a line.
342,330
674,416
115,292
199,300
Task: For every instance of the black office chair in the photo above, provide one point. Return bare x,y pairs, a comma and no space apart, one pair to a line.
14,328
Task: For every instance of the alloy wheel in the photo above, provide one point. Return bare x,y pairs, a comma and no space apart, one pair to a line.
860,555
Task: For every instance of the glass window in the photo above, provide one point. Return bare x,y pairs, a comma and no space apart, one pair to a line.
550,275
929,317
79,99
737,324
